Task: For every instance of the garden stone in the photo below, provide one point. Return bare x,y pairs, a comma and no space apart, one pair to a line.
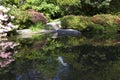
27,33
24,31
54,25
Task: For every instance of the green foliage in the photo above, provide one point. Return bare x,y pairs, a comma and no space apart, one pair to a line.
21,16
49,9
98,4
114,6
104,19
75,22
97,23
94,28
108,21
12,2
65,2
92,7
67,6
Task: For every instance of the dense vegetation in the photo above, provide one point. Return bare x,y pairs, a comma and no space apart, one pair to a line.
82,13
97,55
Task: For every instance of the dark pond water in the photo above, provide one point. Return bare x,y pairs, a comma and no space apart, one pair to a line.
85,57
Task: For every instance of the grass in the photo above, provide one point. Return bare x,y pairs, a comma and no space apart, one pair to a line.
38,26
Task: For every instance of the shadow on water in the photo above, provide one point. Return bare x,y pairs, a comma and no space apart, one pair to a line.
86,57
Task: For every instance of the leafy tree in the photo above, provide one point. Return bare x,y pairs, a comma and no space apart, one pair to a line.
91,7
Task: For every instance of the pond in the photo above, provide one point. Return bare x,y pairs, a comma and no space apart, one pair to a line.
86,57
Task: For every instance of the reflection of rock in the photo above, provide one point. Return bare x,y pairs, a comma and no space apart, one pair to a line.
66,32
63,70
60,59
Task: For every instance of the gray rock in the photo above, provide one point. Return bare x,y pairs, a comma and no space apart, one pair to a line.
27,33
54,25
24,31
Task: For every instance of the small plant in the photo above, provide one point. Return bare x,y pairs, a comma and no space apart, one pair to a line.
38,26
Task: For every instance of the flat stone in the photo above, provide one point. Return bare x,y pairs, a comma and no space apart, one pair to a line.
56,33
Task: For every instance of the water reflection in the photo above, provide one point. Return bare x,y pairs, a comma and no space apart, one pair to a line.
93,57
7,51
63,70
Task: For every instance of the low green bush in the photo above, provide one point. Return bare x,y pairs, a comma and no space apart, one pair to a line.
104,19
95,28
75,22
21,17
97,23
49,9
92,7
108,21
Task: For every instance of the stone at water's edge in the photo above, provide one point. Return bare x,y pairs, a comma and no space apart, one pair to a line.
24,31
54,25
56,33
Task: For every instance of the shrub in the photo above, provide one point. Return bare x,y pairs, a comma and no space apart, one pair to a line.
104,19
36,16
49,9
75,22
67,6
92,7
95,28
64,2
97,23
108,21
21,17
12,2
114,6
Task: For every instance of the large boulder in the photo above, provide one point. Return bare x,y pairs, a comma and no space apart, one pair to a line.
37,16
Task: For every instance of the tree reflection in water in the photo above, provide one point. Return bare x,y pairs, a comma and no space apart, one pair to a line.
88,58
7,51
